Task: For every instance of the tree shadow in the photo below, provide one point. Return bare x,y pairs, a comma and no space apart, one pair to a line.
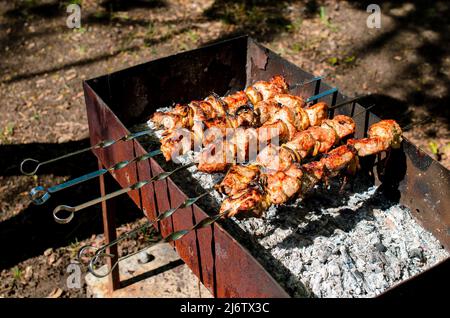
121,5
32,8
262,19
31,231
432,52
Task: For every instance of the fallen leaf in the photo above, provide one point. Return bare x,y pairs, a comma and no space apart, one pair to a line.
28,273
56,293
51,259
48,251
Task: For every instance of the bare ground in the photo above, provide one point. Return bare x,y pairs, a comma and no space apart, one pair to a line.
404,65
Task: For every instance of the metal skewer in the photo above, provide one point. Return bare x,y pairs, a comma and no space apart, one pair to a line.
351,100
107,143
39,195
314,79
101,145
101,252
174,236
137,185
323,94
185,204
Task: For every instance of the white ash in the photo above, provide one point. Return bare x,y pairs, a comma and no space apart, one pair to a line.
349,248
337,244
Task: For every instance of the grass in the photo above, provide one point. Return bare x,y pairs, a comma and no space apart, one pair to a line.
7,132
80,30
326,20
121,16
82,49
17,273
193,36
333,61
9,129
73,248
151,30
296,47
294,26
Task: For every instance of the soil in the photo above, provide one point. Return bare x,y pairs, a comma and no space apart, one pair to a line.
404,65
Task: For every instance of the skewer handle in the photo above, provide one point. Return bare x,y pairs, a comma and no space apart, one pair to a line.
101,250
174,236
101,145
66,208
40,195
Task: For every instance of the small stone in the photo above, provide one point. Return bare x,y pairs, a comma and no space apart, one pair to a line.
56,293
144,258
380,247
28,273
51,259
417,253
48,251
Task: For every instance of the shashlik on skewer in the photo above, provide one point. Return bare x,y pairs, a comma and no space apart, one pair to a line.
298,179
387,134
273,160
272,113
298,143
225,110
234,146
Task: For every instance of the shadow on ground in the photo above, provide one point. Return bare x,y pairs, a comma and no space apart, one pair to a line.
33,230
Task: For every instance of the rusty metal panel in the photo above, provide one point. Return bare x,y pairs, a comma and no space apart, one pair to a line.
103,125
205,245
162,199
183,219
237,273
424,188
147,192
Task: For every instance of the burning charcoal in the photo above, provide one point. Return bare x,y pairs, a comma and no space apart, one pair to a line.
380,247
417,253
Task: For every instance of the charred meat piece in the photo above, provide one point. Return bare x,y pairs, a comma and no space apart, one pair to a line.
251,202
283,185
237,179
262,90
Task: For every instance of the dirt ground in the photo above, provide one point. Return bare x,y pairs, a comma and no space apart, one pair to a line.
404,65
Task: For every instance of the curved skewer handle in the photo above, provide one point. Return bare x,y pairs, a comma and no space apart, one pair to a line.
187,203
59,210
101,145
174,236
40,195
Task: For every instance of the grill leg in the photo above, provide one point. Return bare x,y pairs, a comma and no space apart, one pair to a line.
109,228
